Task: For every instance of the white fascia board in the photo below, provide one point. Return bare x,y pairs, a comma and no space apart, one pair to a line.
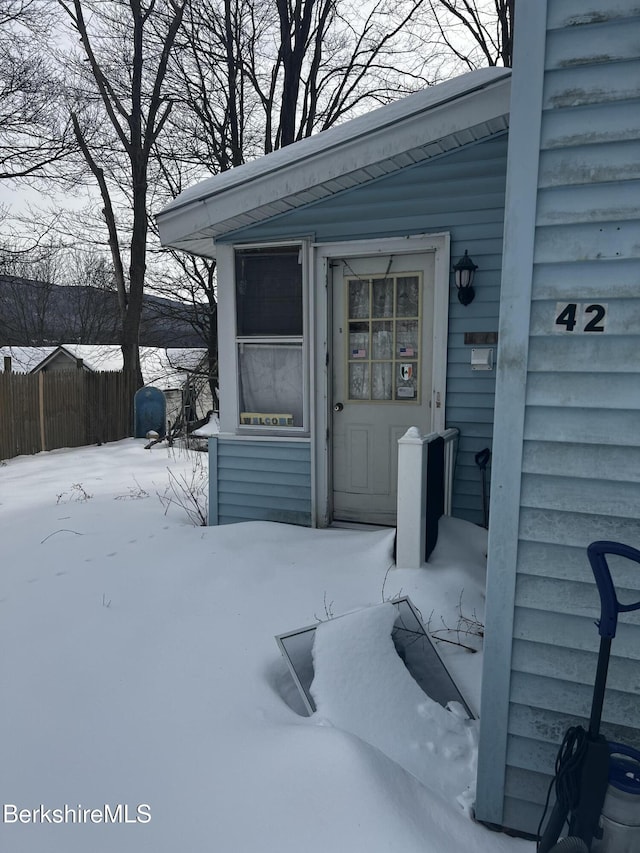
414,121
203,247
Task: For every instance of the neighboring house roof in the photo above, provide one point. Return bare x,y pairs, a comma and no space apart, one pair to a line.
59,353
421,126
163,368
24,359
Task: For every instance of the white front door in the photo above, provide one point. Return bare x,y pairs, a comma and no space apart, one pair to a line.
382,378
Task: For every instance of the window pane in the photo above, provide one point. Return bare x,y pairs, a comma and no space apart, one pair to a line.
408,296
383,297
358,298
406,380
269,291
381,384
407,339
382,339
358,340
358,381
270,384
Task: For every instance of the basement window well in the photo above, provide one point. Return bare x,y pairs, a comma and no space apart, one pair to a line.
270,336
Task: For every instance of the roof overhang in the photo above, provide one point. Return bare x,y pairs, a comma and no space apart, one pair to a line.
427,124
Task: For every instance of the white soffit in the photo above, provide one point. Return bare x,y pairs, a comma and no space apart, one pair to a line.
426,124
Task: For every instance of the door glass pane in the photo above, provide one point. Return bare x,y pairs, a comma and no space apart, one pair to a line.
383,297
408,294
381,381
382,339
359,381
358,340
406,380
407,339
383,354
358,298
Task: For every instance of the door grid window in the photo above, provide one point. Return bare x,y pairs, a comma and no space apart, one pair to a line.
383,358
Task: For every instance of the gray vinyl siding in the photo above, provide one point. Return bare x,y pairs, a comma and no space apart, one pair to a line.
461,193
581,443
259,481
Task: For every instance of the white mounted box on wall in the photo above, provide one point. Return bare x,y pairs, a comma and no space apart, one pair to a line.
482,359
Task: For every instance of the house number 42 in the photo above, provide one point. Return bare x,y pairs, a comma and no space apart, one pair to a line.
580,317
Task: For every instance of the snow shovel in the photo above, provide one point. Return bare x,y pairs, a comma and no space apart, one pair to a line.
582,766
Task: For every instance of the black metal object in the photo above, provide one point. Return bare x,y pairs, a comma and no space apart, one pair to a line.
435,492
570,845
482,460
591,771
465,271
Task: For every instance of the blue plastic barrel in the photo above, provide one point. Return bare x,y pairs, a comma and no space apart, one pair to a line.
150,412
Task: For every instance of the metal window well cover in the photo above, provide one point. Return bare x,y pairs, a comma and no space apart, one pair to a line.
412,643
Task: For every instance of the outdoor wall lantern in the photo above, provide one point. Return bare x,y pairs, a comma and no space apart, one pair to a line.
465,270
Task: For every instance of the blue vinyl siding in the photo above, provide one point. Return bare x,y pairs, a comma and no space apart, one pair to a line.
461,193
580,448
259,481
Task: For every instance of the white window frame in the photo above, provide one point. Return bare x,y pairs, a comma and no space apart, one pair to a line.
228,341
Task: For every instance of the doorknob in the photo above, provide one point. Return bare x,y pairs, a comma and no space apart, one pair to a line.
338,407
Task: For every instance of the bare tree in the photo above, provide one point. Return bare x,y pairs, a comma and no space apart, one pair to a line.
251,76
51,295
90,307
256,75
477,32
190,290
119,113
160,93
35,135
27,293
25,311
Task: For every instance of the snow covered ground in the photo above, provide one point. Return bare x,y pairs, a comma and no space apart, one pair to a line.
138,669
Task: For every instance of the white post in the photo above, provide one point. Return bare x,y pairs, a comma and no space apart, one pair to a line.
412,499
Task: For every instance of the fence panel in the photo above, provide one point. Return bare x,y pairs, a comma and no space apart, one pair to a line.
19,420
54,409
63,407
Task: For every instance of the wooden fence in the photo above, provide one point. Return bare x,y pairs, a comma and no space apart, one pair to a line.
66,408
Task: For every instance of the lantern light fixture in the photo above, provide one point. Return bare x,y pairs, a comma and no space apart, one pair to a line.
465,271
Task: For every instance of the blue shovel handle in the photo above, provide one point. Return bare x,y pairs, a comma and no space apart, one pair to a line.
609,604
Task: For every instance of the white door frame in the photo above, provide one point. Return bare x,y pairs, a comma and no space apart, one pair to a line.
319,259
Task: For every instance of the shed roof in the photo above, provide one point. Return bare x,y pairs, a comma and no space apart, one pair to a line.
427,124
164,368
